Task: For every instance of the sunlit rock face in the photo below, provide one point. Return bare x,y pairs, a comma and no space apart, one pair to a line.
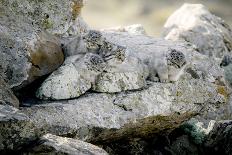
195,24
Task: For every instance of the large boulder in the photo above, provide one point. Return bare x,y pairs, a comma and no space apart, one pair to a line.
28,45
51,144
195,24
6,94
88,115
16,130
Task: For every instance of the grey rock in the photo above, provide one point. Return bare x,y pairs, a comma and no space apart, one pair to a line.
16,129
206,69
74,45
228,74
73,79
29,57
195,24
57,17
28,45
51,144
6,94
92,113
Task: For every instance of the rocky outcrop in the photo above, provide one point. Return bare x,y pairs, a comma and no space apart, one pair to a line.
51,144
73,79
28,45
119,89
6,95
16,129
195,24
112,111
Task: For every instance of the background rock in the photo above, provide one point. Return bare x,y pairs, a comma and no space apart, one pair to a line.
195,24
132,29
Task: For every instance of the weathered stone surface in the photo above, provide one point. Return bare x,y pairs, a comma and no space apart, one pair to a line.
24,59
207,69
72,79
6,94
28,46
81,116
195,24
16,129
144,128
132,29
51,144
56,16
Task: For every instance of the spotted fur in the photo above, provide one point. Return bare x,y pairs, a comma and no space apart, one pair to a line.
94,40
176,58
94,62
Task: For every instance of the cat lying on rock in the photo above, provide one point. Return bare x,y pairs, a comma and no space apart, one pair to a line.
163,66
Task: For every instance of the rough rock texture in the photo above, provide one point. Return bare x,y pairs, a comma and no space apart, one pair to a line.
81,116
16,129
207,69
51,144
132,29
6,94
72,79
56,16
26,50
24,59
195,24
144,128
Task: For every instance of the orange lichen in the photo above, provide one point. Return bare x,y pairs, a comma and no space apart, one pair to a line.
76,8
223,91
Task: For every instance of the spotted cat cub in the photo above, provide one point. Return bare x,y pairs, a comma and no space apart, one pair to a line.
110,51
93,40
